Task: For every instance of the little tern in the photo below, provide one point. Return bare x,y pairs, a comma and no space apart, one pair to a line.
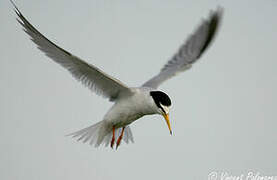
130,103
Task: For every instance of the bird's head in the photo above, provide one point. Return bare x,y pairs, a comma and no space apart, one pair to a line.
163,103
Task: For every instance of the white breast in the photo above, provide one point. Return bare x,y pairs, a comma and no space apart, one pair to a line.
127,110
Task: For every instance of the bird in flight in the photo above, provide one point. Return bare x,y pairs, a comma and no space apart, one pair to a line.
129,103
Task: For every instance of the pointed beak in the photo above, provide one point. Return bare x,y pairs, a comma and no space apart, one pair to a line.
166,117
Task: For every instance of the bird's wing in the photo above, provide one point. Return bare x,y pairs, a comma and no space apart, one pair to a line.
92,77
190,51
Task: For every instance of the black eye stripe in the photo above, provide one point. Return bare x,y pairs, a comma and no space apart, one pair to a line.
160,98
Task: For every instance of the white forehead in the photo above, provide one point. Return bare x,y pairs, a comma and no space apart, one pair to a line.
165,108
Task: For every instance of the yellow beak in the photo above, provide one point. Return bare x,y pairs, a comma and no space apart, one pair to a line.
166,117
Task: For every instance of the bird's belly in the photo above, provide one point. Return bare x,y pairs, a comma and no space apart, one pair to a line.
123,116
128,110
123,119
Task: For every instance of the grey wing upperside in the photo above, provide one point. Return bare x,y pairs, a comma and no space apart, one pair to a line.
92,77
190,51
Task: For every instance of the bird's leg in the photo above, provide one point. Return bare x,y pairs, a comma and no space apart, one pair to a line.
120,138
113,138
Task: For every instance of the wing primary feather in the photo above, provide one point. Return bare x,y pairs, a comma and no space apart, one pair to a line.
214,24
90,76
27,26
189,52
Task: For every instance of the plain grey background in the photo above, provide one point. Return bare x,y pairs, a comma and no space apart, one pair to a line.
224,109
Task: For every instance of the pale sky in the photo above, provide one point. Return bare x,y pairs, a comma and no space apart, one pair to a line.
224,109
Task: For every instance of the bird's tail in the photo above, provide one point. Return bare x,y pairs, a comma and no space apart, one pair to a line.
98,134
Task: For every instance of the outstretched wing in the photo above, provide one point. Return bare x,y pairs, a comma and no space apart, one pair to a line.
190,51
92,77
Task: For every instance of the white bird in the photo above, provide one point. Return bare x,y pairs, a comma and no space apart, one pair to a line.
130,103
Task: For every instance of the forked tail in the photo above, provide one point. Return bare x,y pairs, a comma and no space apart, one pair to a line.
98,134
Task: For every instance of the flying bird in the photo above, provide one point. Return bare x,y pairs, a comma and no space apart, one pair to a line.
129,103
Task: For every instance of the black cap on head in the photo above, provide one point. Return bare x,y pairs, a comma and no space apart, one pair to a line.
160,98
